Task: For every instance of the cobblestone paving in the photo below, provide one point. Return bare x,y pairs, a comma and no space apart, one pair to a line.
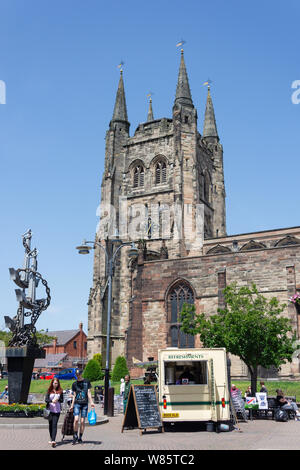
255,435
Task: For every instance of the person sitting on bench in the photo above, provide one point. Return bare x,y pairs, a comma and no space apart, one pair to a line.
285,404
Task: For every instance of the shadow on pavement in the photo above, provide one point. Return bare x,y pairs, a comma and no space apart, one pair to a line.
193,426
69,442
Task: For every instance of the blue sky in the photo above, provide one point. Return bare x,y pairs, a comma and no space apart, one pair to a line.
59,62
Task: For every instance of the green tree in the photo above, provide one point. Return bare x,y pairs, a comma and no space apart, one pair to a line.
250,327
5,336
120,369
92,371
98,357
43,338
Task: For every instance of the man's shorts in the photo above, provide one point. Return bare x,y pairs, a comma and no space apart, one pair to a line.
80,409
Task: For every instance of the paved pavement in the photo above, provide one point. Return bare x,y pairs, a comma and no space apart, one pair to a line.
255,435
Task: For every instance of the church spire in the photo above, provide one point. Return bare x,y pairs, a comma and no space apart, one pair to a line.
150,116
183,93
120,109
210,126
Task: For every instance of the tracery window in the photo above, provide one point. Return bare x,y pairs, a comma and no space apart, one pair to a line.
138,176
180,294
160,172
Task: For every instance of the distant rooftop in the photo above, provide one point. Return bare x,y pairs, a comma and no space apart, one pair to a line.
64,336
51,360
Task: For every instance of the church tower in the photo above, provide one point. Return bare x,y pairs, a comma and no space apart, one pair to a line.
162,188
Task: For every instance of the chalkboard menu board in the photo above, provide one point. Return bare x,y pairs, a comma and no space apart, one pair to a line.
142,409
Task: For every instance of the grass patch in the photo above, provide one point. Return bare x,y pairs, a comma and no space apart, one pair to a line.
289,388
41,386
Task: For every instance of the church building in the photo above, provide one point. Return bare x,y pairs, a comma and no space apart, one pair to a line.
163,188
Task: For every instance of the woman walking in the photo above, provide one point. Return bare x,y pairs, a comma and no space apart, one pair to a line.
54,398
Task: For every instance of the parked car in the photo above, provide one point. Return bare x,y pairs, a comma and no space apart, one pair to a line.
66,374
47,375
4,375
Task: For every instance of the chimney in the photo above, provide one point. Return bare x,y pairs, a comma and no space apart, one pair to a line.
54,345
80,326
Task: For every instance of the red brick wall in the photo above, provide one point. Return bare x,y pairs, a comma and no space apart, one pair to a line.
80,351
275,271
68,348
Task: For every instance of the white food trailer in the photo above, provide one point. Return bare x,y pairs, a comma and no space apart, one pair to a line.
193,386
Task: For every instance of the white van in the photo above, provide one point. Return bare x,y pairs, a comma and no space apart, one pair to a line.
193,385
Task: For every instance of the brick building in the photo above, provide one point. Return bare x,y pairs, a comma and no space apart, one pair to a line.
68,347
164,188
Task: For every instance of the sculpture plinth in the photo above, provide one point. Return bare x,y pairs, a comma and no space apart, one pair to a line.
20,362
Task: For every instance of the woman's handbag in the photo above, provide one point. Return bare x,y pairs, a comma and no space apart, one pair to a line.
46,413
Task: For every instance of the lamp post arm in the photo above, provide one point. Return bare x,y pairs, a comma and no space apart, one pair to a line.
101,246
118,249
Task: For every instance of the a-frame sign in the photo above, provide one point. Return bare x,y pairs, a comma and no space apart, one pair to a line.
142,410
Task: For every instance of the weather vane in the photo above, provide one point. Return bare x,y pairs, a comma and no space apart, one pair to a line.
208,83
120,66
150,94
181,43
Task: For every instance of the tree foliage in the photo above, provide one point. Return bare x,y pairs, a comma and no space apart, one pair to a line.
120,369
43,338
93,371
5,336
98,357
250,327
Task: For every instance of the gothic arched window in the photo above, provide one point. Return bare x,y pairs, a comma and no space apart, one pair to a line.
181,293
138,176
160,172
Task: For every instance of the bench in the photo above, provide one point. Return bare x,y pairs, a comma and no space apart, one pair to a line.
272,407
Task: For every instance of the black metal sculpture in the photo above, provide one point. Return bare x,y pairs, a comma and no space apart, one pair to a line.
29,306
23,348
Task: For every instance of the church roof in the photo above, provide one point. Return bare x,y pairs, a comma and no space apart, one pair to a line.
63,336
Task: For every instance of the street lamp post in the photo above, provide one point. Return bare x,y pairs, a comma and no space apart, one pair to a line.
84,249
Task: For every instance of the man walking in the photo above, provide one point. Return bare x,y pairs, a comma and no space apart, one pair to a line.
81,390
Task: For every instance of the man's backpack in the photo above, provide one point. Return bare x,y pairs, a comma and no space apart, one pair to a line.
81,392
281,415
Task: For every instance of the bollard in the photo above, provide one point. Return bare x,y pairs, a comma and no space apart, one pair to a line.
111,392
